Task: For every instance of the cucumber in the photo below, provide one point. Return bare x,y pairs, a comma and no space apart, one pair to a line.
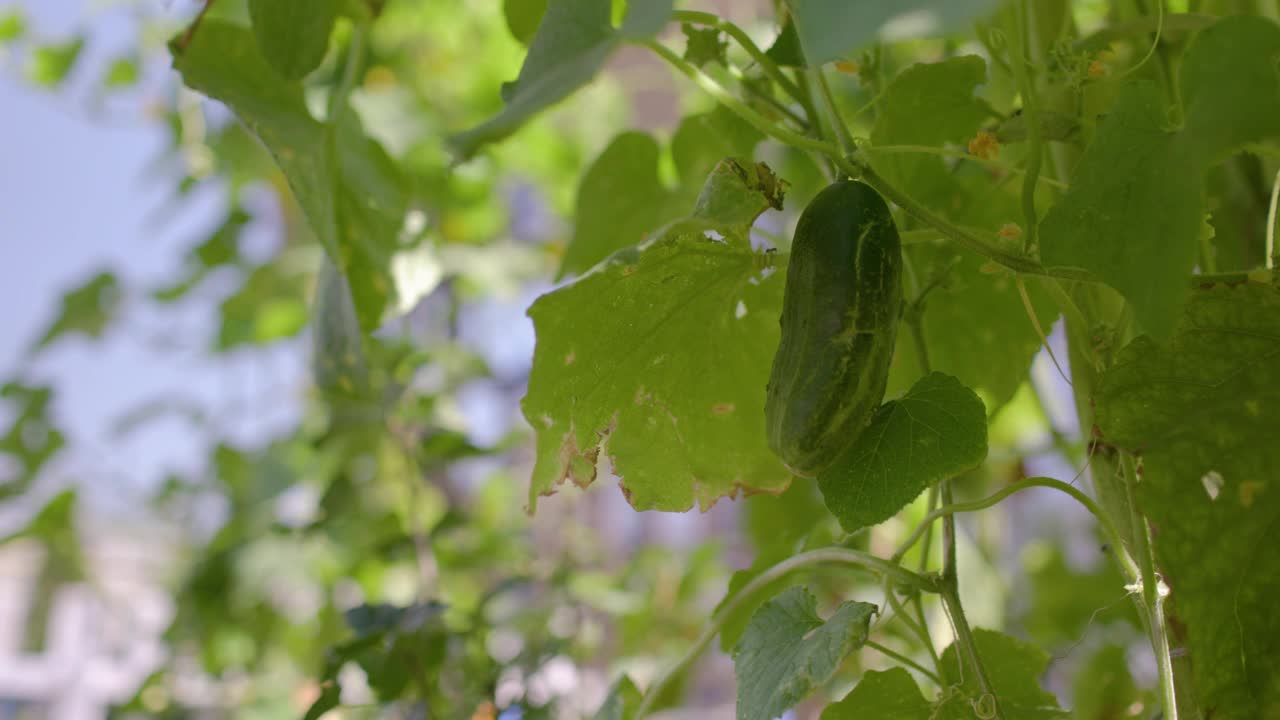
840,312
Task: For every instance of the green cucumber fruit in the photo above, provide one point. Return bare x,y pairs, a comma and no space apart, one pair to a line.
840,312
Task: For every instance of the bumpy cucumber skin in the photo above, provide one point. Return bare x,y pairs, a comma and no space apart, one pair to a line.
840,314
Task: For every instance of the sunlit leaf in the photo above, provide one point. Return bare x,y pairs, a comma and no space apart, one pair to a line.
32,439
88,309
352,193
670,377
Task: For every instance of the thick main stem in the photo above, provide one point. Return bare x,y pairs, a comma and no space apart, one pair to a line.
1152,598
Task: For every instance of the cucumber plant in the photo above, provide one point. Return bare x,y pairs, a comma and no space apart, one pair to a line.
973,184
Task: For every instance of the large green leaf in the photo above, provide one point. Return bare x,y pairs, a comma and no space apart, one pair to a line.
1014,669
887,695
573,41
787,651
87,310
660,356
1134,211
937,430
1203,413
293,35
351,192
832,29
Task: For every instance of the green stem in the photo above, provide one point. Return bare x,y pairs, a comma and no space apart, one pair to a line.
951,601
827,107
1152,598
948,152
1018,53
918,627
743,39
823,556
726,98
1131,569
1017,263
1273,252
350,75
890,652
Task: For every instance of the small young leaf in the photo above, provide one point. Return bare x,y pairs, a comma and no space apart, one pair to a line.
31,440
935,431
293,35
1202,411
787,651
703,45
51,64
13,25
891,695
88,309
121,73
785,50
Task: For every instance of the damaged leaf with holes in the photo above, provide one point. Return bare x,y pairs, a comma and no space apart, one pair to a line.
659,358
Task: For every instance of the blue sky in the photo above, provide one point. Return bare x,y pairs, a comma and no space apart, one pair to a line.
80,192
